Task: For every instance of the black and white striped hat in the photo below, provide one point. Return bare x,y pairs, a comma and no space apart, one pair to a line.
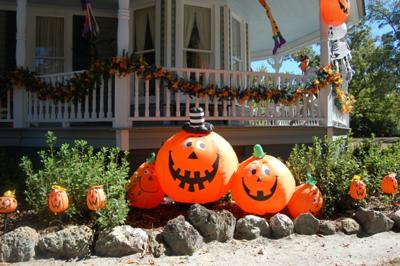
197,122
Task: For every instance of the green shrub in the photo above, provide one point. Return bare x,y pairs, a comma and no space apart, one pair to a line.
11,176
77,168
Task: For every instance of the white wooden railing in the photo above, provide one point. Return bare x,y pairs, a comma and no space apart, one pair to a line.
95,107
5,107
152,101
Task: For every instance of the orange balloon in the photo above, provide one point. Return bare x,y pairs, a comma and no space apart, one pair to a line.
389,184
8,203
145,192
196,167
262,184
334,12
58,200
96,198
358,190
307,198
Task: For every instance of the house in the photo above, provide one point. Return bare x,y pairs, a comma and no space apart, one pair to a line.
211,41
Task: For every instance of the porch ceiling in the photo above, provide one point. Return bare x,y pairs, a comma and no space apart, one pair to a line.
299,22
102,4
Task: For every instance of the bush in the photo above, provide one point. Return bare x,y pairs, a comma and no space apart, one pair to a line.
10,175
77,168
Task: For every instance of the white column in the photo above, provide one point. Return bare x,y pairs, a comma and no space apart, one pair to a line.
122,85
18,93
326,93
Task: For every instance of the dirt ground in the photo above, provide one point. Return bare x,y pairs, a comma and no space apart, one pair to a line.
339,249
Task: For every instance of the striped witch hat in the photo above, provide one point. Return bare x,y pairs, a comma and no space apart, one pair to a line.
197,122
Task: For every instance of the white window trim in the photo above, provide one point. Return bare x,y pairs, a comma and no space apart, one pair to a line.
242,60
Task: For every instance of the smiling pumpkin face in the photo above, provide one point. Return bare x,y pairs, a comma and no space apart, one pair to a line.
262,184
307,198
8,203
358,190
334,12
196,167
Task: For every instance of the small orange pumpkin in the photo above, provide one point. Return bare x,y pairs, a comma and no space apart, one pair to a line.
304,62
358,189
389,184
307,198
334,12
262,184
145,191
196,164
8,203
96,198
58,199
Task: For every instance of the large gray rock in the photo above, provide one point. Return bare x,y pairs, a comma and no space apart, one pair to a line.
349,226
251,227
71,242
181,237
396,219
306,224
327,228
121,241
373,221
281,225
18,245
156,245
212,225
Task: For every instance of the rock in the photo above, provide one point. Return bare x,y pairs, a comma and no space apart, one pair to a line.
181,237
156,245
327,228
18,245
396,218
71,242
306,224
281,225
373,221
121,241
251,227
349,226
212,225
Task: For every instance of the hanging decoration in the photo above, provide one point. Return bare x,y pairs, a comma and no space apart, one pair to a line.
334,12
276,33
304,63
90,26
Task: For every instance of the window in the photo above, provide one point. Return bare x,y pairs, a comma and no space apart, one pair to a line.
197,37
236,45
49,45
144,34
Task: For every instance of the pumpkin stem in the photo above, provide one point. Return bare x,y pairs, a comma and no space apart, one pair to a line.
57,187
10,193
310,180
258,151
356,177
152,158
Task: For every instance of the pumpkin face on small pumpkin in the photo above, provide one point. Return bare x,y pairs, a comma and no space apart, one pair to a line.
307,198
145,191
262,184
58,200
96,198
358,190
334,12
389,184
196,164
8,203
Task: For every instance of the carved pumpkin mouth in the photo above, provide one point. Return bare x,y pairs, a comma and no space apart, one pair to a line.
343,7
197,179
360,193
260,194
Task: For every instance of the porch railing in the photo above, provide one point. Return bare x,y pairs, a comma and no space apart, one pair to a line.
6,107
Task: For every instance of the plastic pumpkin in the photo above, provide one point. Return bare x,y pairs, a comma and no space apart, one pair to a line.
145,191
8,203
307,198
58,199
96,198
358,190
196,164
389,184
262,184
334,12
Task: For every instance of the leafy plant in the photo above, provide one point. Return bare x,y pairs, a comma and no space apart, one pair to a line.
77,168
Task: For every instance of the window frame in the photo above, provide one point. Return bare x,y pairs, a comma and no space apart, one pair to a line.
242,24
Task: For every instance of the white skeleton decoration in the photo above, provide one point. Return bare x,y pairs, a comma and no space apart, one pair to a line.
339,50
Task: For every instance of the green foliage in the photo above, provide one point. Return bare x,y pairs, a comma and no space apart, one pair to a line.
10,175
308,51
77,168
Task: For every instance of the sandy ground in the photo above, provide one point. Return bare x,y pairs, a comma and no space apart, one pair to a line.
339,249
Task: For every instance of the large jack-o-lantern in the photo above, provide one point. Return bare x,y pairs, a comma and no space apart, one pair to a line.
262,184
334,12
8,202
307,198
145,191
196,164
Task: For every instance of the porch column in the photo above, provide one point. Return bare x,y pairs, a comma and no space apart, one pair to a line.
326,94
18,93
122,85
